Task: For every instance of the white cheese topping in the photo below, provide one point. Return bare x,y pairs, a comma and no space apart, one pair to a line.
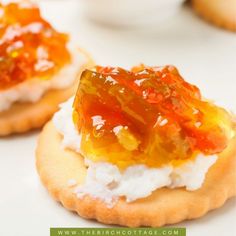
64,124
32,90
106,182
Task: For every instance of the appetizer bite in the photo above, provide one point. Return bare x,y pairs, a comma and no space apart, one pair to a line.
39,68
219,12
140,148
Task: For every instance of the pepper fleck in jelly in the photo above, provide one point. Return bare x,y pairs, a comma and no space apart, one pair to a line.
29,46
148,115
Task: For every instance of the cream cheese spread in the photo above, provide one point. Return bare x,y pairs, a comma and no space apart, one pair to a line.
106,182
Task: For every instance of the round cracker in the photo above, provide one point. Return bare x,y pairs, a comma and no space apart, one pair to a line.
219,12
57,166
22,117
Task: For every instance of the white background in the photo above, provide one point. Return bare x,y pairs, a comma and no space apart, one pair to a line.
205,55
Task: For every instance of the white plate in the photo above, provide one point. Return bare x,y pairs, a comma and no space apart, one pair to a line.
130,12
205,56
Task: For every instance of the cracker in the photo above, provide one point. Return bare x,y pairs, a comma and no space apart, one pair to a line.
219,12
165,206
22,117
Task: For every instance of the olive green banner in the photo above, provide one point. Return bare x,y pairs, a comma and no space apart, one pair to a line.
117,232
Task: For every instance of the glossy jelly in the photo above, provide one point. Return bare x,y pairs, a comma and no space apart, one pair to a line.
29,46
148,115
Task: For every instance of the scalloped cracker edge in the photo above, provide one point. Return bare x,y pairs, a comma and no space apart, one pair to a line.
22,117
165,206
219,12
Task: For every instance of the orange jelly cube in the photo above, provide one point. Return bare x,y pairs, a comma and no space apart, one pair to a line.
148,115
29,46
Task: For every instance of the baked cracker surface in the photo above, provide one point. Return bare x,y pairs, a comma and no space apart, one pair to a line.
56,166
219,12
22,117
